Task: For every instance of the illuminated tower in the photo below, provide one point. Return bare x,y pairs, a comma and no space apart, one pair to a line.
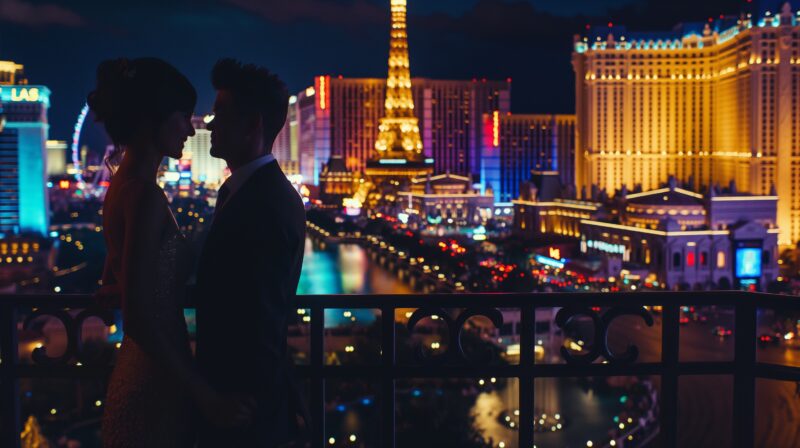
399,129
398,149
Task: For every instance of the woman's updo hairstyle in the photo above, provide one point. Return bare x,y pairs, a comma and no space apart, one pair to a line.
131,92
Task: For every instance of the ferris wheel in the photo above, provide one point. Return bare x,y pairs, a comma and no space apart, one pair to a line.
98,182
75,147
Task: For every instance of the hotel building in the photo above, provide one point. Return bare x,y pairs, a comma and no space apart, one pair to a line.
285,149
672,235
23,152
707,102
341,115
56,157
515,145
197,155
447,200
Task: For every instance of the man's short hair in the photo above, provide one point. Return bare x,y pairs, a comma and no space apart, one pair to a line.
255,91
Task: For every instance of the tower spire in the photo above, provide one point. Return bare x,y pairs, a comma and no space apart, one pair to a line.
399,128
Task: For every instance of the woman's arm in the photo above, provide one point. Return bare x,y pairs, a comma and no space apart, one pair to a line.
145,212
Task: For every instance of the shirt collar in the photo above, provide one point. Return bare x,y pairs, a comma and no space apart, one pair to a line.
240,176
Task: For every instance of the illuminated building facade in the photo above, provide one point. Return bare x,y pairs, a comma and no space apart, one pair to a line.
514,145
722,240
670,235
449,120
310,161
23,153
197,156
12,73
56,157
336,182
712,102
24,260
285,148
447,200
541,210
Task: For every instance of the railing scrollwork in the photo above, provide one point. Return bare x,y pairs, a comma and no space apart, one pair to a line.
601,323
455,327
73,325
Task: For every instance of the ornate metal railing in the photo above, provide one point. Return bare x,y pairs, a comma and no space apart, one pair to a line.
454,362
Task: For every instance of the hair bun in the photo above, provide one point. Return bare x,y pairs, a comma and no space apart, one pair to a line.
130,92
111,77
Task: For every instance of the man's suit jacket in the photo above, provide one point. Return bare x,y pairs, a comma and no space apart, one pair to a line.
246,283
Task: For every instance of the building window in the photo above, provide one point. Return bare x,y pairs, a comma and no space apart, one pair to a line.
676,260
690,259
704,259
720,260
766,258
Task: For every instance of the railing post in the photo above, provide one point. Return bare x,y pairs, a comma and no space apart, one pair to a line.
9,383
317,377
744,382
670,342
387,434
526,380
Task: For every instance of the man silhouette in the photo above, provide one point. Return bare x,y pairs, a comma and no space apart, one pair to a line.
250,265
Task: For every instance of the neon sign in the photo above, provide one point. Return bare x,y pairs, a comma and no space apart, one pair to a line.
25,94
609,248
323,103
496,128
547,261
555,253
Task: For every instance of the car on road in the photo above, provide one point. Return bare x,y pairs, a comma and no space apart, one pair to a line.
766,339
721,331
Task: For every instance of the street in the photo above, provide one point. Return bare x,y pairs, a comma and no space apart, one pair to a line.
706,402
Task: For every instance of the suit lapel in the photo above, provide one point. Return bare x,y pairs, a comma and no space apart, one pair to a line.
227,215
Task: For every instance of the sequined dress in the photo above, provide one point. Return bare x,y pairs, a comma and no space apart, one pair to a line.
144,407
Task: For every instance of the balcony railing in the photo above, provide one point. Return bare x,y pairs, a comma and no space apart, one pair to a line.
596,360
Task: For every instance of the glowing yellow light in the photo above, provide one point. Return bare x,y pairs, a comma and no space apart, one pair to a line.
25,94
496,128
322,94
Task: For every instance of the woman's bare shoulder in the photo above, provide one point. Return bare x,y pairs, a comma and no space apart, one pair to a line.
140,197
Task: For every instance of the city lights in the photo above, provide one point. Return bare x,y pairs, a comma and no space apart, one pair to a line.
677,172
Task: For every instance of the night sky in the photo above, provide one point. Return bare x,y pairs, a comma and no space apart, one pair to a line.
60,43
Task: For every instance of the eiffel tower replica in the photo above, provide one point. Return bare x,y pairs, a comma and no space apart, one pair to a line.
398,155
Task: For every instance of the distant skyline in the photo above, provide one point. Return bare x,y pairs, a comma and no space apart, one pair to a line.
530,41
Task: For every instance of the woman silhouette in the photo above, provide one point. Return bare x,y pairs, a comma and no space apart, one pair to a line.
146,106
